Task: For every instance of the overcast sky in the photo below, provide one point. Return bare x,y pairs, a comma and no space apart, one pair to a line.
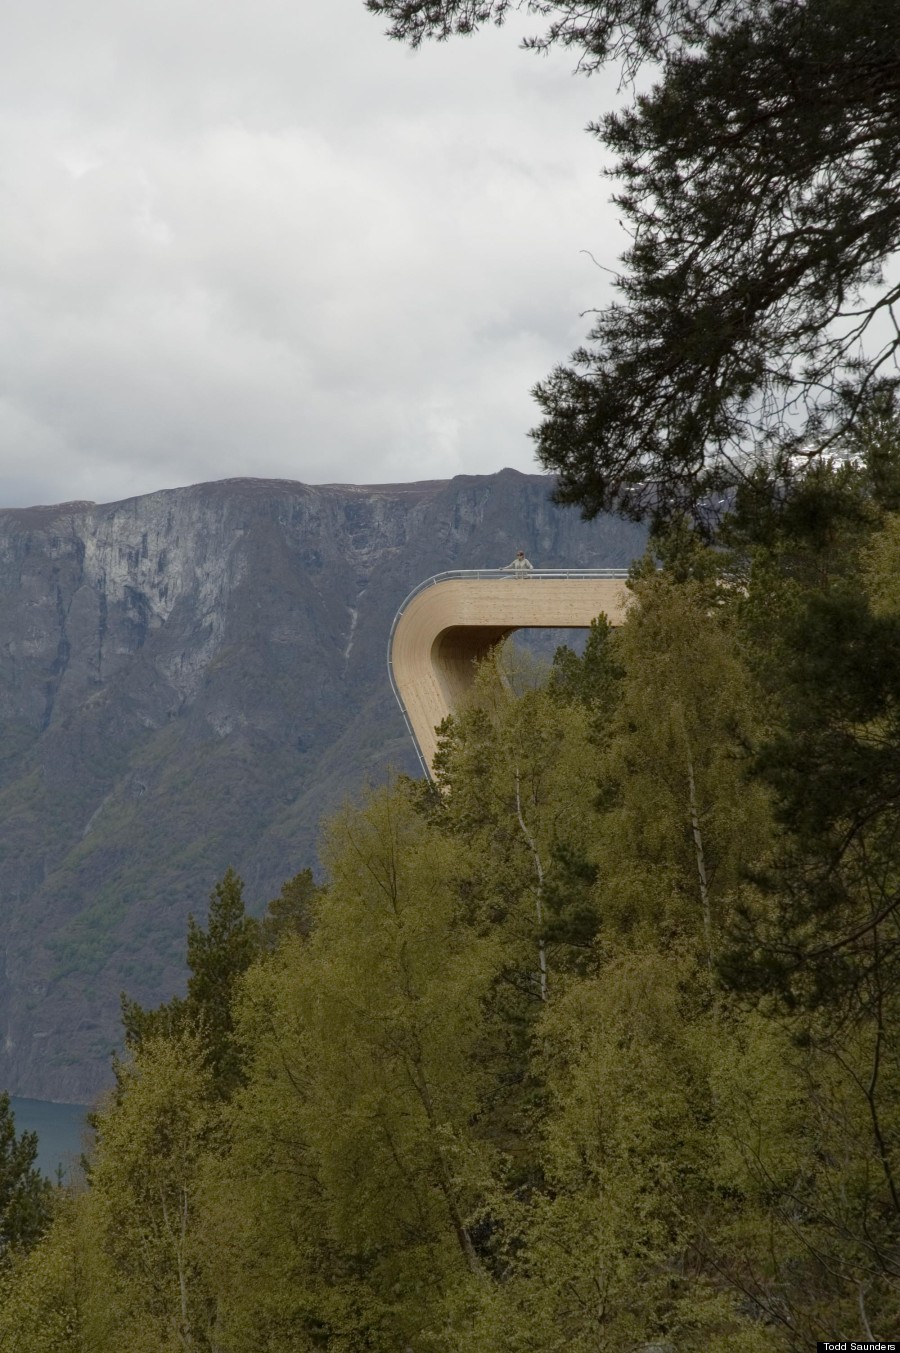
254,237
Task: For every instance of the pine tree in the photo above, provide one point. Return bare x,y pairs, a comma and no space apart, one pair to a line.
757,180
217,957
25,1195
290,913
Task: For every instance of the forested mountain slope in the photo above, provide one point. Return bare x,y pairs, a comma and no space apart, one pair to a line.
592,1046
187,681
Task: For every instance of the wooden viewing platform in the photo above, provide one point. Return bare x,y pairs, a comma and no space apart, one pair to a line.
450,621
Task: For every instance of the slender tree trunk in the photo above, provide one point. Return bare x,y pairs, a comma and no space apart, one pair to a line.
871,1094
178,1244
698,839
445,1183
539,892
182,1278
701,862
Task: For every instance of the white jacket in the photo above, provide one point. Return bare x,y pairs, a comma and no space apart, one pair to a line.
519,566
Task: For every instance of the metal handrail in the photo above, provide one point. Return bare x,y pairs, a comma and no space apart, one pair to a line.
532,575
493,573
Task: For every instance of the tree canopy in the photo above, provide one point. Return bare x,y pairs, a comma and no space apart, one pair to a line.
25,1195
594,1044
594,1047
758,181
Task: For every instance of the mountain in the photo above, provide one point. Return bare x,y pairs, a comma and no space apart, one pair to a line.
188,680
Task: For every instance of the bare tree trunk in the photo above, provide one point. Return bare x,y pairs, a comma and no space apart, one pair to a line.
539,893
445,1182
698,839
178,1239
871,1091
701,862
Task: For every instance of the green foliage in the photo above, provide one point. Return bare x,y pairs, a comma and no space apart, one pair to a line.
823,597
628,1133
594,679
758,182
356,1173
146,1191
46,1298
682,820
592,1045
818,930
120,1267
290,913
216,958
25,1195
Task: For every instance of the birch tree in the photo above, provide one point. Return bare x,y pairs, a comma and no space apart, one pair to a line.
362,1097
144,1197
684,819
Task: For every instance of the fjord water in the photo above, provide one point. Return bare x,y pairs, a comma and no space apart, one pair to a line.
60,1128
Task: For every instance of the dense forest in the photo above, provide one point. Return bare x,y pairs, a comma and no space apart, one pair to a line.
591,1045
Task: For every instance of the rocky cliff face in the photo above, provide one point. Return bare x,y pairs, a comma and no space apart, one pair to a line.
189,680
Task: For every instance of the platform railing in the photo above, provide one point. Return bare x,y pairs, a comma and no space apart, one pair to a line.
535,575
494,574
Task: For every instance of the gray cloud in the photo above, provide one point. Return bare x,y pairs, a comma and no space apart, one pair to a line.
257,238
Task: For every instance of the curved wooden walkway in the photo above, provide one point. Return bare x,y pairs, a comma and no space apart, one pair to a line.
451,620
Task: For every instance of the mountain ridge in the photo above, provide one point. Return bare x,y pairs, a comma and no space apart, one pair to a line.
189,679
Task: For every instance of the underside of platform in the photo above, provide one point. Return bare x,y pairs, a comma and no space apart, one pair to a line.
443,630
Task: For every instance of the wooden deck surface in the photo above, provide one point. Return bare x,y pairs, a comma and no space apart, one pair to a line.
447,627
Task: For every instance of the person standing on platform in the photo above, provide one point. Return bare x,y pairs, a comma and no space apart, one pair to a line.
520,566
